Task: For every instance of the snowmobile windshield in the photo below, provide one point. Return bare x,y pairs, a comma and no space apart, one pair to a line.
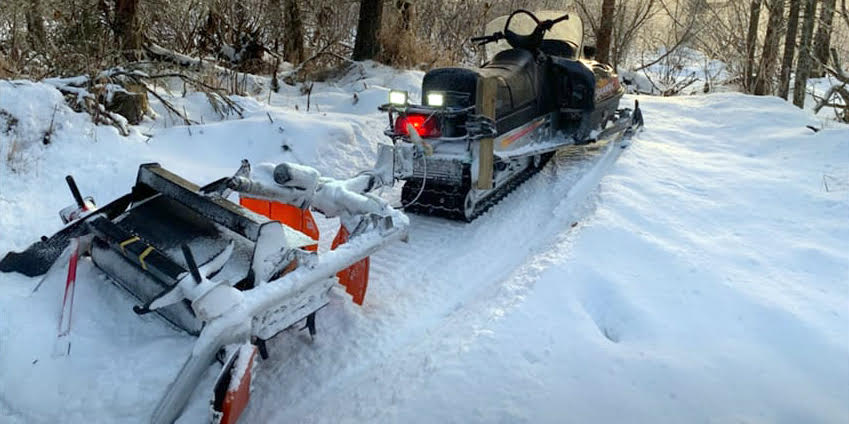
565,38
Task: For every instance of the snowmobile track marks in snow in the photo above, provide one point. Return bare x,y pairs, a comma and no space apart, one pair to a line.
428,299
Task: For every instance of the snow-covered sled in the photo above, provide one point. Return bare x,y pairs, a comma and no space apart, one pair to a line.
218,270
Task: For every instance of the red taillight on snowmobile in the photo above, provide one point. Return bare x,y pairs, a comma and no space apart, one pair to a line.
425,125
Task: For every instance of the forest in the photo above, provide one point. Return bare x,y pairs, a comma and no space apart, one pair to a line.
766,47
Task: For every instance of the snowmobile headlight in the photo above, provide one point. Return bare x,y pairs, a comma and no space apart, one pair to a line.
397,97
435,99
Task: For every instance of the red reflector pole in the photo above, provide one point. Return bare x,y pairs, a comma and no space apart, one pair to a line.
62,346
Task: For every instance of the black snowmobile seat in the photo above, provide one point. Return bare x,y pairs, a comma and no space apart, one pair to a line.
558,48
515,67
517,95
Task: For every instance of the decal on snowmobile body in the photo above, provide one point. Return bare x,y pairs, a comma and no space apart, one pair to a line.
606,88
511,137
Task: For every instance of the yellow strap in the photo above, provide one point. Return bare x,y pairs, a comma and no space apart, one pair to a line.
144,255
128,241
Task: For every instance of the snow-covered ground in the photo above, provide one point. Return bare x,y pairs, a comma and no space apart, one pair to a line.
690,72
702,277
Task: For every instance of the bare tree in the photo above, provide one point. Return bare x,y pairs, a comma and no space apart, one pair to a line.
366,45
629,22
822,41
752,44
605,31
293,38
789,48
839,89
128,30
407,10
803,66
766,73
36,32
450,24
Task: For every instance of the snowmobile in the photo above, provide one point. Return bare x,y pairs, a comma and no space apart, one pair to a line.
217,269
481,132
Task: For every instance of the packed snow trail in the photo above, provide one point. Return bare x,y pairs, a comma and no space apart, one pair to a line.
674,302
418,285
705,280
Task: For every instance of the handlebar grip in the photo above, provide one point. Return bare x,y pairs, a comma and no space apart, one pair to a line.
75,191
560,19
484,39
547,24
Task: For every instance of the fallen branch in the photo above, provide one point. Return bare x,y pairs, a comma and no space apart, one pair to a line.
669,51
676,88
165,55
324,51
169,106
836,70
218,93
81,99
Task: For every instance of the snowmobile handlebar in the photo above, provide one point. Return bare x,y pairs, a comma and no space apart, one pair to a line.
486,39
531,41
75,191
547,24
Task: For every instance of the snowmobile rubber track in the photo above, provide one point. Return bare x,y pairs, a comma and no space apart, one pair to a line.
447,201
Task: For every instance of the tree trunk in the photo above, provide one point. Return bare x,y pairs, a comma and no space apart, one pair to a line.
127,26
36,34
803,65
293,38
789,48
763,84
822,41
367,44
407,11
844,12
752,44
605,31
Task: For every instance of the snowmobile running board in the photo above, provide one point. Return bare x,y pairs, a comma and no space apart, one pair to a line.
219,271
627,123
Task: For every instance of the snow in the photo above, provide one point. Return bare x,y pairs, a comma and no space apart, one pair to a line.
709,284
701,277
820,87
685,69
